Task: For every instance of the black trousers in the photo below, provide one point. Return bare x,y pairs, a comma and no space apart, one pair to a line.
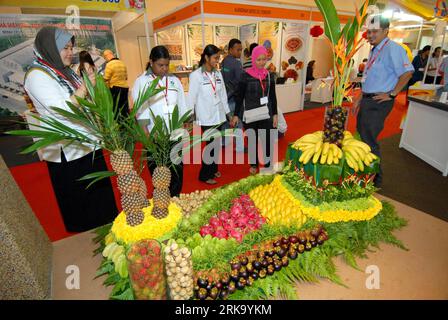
208,170
262,130
177,175
370,123
82,209
120,97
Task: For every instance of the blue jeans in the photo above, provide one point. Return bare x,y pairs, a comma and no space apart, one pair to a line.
238,132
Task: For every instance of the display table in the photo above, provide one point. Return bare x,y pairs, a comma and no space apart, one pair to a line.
289,96
425,132
419,273
322,90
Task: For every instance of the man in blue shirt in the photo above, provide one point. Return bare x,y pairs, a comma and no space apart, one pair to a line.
387,72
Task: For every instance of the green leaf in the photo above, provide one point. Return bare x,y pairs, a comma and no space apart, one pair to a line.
97,176
331,19
126,295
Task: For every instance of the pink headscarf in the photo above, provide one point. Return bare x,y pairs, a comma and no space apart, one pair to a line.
254,71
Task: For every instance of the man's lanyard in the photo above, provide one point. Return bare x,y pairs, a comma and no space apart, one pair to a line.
372,61
211,82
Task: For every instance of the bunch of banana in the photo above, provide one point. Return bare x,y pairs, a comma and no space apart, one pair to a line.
115,252
307,141
314,148
357,153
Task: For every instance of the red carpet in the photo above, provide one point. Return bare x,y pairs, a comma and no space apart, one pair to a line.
35,183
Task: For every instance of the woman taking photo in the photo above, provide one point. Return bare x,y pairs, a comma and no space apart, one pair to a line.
208,97
161,104
86,64
256,104
49,83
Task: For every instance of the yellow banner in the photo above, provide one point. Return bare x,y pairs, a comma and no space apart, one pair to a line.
103,5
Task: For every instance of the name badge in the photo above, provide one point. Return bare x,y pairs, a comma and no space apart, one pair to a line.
264,101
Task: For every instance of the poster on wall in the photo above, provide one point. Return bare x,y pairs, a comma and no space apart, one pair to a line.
293,50
173,40
17,35
270,37
195,41
223,34
248,35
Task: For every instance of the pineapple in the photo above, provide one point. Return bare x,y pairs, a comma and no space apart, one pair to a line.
160,213
134,218
129,183
121,162
161,177
162,197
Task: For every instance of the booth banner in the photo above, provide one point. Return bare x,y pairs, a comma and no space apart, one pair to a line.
248,35
195,41
17,33
105,5
223,34
270,37
173,40
293,49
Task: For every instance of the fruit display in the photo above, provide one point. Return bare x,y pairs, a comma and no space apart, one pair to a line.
179,271
266,259
356,153
150,228
277,205
146,270
243,218
190,202
116,253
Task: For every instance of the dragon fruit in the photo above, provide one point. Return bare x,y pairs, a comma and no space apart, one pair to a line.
242,218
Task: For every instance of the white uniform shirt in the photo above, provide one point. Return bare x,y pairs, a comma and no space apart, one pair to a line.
434,63
45,92
163,103
208,97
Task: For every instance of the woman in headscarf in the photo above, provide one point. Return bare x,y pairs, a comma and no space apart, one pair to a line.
49,83
256,105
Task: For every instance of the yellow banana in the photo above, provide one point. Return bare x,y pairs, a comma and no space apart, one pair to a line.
317,154
336,160
326,148
360,144
354,155
323,157
360,165
318,146
367,162
352,162
360,152
308,155
330,157
309,138
307,147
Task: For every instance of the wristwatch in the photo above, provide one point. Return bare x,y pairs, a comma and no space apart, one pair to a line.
393,96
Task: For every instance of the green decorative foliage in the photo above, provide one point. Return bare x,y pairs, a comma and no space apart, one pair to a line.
349,189
350,240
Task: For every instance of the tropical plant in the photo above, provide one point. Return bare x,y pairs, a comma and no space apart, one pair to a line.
159,145
345,43
104,129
